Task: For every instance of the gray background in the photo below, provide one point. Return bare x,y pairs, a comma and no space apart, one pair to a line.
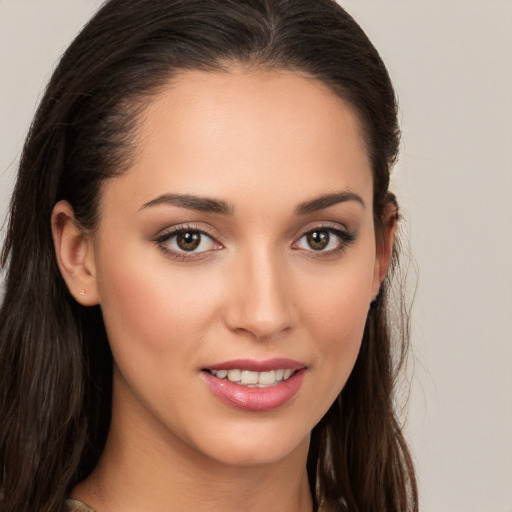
451,62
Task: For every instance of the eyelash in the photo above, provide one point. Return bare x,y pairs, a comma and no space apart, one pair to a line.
345,237
162,242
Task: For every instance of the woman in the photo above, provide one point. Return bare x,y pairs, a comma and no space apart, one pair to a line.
197,260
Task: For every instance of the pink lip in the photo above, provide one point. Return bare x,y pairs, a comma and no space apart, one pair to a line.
256,399
257,366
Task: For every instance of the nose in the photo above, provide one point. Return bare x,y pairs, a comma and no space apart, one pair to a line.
260,303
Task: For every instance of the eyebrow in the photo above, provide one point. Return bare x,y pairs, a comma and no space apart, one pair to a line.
202,204
207,204
328,200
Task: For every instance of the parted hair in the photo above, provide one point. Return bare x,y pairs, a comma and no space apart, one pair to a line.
56,365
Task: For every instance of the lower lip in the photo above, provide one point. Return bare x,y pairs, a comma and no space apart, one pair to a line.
255,399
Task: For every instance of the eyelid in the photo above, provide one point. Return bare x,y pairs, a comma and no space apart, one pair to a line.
347,237
161,239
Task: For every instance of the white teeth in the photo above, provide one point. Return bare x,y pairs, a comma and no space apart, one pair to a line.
234,375
254,379
267,378
249,377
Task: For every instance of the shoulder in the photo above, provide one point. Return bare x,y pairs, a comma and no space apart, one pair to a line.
76,506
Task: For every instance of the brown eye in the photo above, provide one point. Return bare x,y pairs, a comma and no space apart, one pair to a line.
188,240
325,240
318,240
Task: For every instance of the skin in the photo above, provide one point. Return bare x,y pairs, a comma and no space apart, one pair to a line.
264,143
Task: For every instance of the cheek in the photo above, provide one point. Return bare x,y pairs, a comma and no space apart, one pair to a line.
337,313
339,321
148,309
130,301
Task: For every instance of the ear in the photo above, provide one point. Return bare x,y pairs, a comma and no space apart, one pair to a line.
75,255
385,244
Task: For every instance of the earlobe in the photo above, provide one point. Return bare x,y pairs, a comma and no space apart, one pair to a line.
75,255
385,245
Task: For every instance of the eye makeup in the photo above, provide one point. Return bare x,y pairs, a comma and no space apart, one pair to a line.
325,240
190,242
187,243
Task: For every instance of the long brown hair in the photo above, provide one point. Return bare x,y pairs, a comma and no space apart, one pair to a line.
56,366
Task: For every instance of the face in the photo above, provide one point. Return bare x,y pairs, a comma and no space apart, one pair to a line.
235,263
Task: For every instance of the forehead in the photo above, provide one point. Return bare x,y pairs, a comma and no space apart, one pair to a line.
229,133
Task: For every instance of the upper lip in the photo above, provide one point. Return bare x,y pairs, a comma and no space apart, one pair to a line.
258,366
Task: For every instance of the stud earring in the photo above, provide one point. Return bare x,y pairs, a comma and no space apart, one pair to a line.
83,292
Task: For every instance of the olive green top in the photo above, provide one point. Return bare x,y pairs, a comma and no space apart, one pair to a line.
76,506
72,505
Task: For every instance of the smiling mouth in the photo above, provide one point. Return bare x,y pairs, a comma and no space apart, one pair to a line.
253,379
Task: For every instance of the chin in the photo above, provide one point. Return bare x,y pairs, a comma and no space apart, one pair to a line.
249,451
